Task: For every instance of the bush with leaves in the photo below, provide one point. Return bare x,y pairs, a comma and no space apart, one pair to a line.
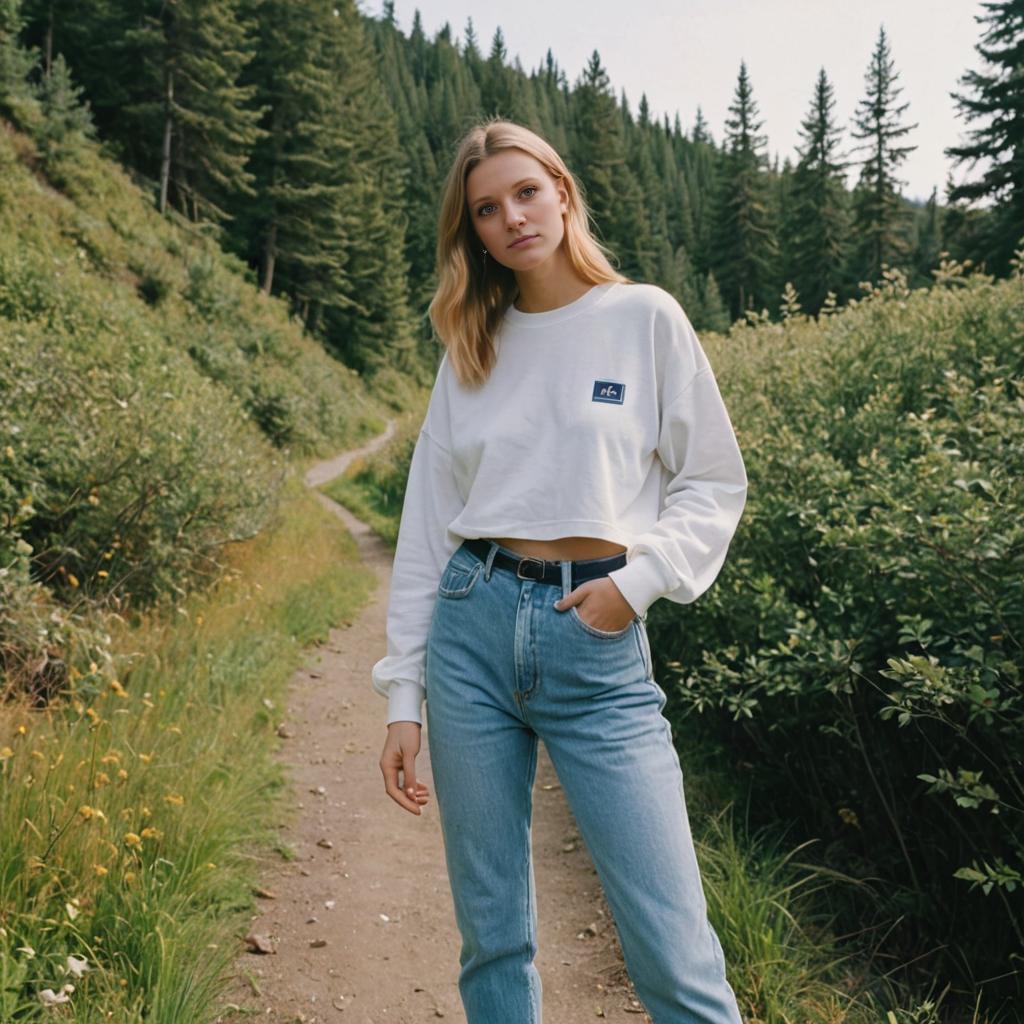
863,648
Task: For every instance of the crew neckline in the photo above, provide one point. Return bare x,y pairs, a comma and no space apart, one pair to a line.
587,300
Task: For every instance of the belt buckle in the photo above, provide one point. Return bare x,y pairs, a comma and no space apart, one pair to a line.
523,561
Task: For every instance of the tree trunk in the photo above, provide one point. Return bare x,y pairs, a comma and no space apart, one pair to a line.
165,161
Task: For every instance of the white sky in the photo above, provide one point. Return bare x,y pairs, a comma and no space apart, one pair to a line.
683,54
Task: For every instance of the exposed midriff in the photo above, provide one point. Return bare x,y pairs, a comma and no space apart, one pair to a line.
562,548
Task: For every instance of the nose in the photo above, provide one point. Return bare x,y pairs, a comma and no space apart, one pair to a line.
514,218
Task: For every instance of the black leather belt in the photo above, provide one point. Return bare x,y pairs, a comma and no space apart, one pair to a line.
543,570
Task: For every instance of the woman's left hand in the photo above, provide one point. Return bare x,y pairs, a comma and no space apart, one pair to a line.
606,608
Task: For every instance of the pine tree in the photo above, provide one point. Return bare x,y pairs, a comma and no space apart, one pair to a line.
929,243
998,97
92,39
817,227
701,132
368,321
15,61
747,250
714,313
194,52
639,228
293,223
878,217
500,91
471,46
66,121
598,151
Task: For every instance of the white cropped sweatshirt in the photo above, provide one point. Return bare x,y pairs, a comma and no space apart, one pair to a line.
601,418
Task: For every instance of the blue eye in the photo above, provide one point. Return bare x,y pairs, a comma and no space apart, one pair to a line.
525,188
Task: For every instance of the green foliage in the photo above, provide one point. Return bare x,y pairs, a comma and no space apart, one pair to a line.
65,120
148,398
864,644
134,804
124,458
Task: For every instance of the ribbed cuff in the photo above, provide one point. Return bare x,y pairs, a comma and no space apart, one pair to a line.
641,581
405,700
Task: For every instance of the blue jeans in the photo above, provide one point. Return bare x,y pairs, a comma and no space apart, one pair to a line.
504,667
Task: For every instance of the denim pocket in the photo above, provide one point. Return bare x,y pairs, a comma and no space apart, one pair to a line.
594,631
643,642
459,576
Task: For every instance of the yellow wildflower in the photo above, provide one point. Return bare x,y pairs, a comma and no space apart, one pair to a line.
6,752
116,686
102,573
99,869
132,839
146,758
21,730
129,876
86,811
122,774
149,832
37,754
102,778
174,728
175,798
849,817
112,758
72,579
91,712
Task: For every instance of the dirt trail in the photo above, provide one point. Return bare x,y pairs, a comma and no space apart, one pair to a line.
362,918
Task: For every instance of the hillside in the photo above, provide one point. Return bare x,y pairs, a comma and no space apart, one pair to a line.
152,400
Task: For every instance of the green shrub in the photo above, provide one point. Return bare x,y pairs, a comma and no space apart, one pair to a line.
124,471
862,648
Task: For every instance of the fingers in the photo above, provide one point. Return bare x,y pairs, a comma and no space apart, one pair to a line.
412,794
573,597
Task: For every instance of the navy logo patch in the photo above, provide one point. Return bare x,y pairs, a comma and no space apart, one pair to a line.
609,391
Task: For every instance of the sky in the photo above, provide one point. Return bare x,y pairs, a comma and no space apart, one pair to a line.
684,54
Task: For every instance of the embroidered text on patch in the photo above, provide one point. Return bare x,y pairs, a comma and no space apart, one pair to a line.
609,391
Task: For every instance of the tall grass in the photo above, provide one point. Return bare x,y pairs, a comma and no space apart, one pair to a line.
128,825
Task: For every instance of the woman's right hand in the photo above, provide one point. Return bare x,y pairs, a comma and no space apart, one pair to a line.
400,750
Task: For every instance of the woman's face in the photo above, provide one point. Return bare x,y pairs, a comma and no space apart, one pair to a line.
511,195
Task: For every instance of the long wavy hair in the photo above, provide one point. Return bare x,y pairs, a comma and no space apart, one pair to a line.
474,290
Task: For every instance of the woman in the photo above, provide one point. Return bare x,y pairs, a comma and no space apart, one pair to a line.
575,464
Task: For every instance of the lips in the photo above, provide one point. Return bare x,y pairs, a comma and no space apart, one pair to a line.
519,241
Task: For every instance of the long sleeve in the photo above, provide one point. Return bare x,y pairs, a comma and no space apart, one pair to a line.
423,548
680,556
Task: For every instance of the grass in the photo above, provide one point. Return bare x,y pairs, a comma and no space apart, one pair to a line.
128,824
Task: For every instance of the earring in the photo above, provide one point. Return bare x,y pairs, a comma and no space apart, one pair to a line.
484,251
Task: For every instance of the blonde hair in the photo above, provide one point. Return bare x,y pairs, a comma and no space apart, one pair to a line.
474,290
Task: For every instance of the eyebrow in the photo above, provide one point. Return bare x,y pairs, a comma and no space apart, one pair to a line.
519,182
